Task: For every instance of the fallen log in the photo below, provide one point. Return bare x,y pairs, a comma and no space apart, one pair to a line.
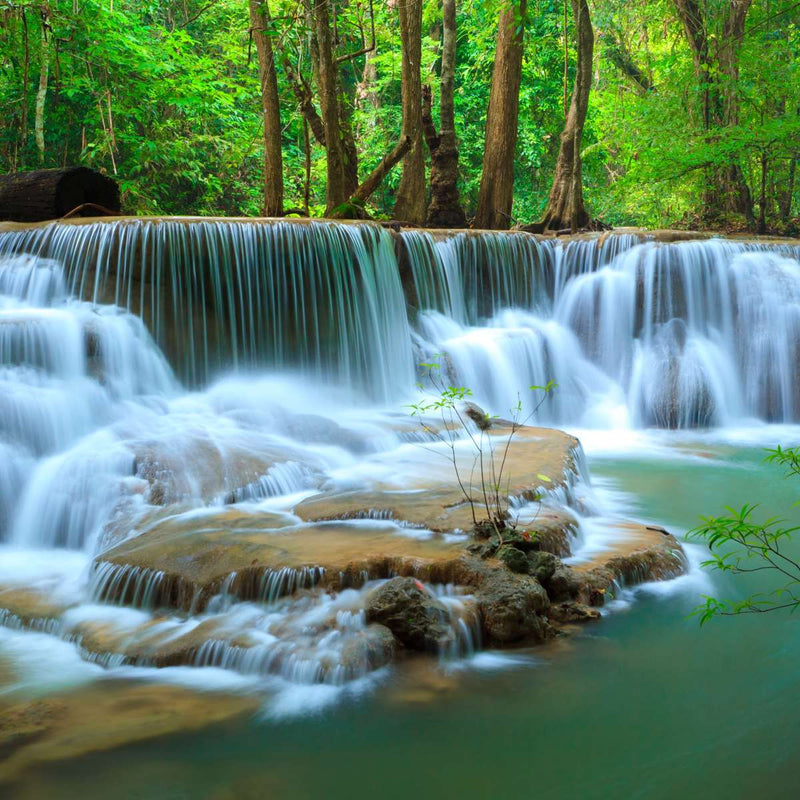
54,193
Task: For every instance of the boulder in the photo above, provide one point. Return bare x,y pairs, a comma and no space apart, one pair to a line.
372,649
564,584
417,620
570,611
514,559
510,607
542,565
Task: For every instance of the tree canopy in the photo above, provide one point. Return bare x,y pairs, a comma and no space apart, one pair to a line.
166,96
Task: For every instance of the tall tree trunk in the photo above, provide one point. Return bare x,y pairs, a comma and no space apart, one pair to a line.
349,149
762,198
718,74
786,194
565,207
44,69
410,204
23,128
444,209
496,192
736,192
336,189
367,92
260,22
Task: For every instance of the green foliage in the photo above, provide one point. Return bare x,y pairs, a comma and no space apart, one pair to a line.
740,544
165,95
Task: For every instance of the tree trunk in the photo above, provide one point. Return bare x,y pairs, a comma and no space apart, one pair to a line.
52,193
496,192
23,128
44,69
762,198
369,77
737,194
718,75
305,100
349,149
618,54
336,189
565,207
444,209
786,195
410,204
354,207
260,22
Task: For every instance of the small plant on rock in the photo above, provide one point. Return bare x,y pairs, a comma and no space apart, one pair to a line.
485,485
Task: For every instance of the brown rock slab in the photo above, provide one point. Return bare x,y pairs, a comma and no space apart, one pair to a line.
188,560
104,716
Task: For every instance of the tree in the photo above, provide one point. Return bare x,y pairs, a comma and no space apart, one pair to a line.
444,208
339,184
716,66
741,545
260,23
410,204
496,193
565,207
168,96
44,69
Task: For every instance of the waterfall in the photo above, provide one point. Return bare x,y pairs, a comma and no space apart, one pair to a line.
234,295
173,379
635,332
114,337
640,333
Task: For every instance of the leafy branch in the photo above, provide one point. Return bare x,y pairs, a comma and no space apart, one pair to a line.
741,545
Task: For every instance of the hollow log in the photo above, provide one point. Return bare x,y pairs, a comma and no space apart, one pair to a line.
53,193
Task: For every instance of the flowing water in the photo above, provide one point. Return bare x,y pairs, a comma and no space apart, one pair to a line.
202,369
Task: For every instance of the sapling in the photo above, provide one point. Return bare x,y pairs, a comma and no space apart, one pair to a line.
461,419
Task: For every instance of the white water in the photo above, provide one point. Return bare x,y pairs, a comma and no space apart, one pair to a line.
316,343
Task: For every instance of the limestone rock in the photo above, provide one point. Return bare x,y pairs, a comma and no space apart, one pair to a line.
542,565
514,559
417,620
564,584
510,607
570,611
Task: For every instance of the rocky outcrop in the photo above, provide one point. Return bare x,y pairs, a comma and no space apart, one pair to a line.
417,620
104,716
512,608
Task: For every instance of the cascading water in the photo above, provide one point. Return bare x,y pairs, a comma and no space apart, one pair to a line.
161,372
692,334
220,296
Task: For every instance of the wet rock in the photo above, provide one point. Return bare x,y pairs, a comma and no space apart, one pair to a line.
524,540
514,559
564,584
478,416
542,565
22,724
510,608
417,620
570,611
482,549
102,716
373,649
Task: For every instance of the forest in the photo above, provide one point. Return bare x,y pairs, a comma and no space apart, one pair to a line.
495,114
